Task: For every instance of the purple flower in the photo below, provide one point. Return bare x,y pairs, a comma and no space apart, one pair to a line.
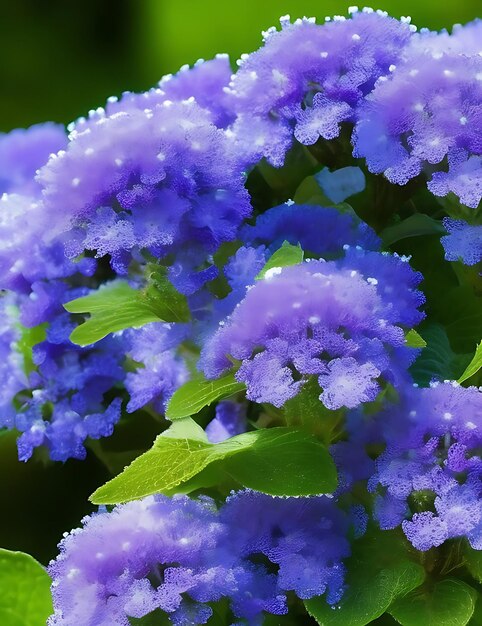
230,420
464,242
125,192
154,553
206,82
322,231
314,319
177,555
27,253
160,371
308,78
23,151
305,537
429,478
427,112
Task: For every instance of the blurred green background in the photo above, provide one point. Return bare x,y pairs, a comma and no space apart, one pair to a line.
59,58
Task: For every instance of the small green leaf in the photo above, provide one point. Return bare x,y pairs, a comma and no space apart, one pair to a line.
25,599
117,306
292,463
196,394
283,257
379,570
413,226
29,337
474,365
414,340
449,603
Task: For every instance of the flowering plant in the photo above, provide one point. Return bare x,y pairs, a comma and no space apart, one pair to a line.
277,272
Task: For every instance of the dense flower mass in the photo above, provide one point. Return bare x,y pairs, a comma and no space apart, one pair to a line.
178,555
429,477
463,242
318,319
233,264
125,193
308,78
425,115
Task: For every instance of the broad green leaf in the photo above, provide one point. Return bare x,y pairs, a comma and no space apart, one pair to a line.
414,340
413,226
473,561
461,314
25,598
292,463
117,306
437,359
284,256
379,571
196,394
449,603
474,365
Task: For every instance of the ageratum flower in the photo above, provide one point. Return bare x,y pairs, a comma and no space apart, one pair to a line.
425,118
177,555
320,231
319,319
463,242
305,537
54,391
23,151
230,420
205,82
464,39
157,553
430,475
308,78
119,189
160,370
27,253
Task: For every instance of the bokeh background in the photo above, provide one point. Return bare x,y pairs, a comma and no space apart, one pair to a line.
60,58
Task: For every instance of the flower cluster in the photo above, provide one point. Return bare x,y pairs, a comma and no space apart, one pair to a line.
178,555
340,322
309,78
154,268
429,477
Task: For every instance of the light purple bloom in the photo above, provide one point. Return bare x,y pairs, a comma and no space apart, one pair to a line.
311,319
23,151
309,78
118,188
426,112
432,439
463,242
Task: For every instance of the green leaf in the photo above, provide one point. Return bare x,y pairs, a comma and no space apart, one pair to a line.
117,305
449,603
413,226
196,394
474,365
461,314
306,411
282,461
25,598
29,337
283,257
379,570
414,340
473,561
437,359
